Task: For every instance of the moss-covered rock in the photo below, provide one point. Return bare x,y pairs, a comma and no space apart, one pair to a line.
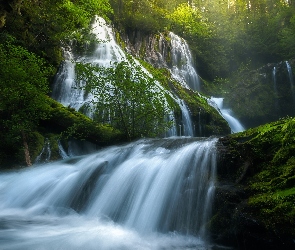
256,191
74,125
62,123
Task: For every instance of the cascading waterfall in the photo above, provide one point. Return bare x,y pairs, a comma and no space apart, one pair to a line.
233,123
67,90
181,64
150,194
290,73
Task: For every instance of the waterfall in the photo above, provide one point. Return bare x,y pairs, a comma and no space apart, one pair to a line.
274,71
67,90
45,153
181,64
275,88
233,123
187,126
62,152
150,194
173,130
290,73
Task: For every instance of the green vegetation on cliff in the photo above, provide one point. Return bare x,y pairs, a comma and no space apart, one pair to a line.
258,166
206,119
61,123
272,183
127,98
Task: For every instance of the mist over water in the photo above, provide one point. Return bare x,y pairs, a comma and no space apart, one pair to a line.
150,194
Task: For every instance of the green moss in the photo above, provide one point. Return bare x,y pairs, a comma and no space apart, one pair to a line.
36,143
270,179
275,210
72,124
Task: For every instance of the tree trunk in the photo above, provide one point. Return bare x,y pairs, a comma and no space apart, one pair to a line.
26,150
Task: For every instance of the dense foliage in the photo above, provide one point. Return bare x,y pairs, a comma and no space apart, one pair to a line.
127,98
23,87
222,34
32,33
44,26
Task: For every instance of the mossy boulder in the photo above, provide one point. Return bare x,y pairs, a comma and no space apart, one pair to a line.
61,123
255,197
74,125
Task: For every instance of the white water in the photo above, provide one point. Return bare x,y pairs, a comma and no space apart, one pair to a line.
186,120
45,153
151,194
290,73
233,123
275,87
182,68
67,90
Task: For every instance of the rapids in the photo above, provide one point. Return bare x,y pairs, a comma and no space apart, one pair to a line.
149,194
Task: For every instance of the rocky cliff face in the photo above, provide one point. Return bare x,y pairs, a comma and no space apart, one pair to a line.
158,51
149,47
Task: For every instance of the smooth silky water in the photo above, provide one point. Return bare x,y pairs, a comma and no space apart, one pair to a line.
149,194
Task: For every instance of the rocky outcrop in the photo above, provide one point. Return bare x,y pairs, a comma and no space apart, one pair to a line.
150,47
254,204
156,50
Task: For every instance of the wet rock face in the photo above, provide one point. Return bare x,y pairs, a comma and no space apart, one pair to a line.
149,47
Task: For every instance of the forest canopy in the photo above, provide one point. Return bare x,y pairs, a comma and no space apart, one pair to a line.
222,34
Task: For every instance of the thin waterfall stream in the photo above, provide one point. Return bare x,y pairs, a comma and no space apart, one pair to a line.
181,65
275,87
234,123
290,74
150,194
